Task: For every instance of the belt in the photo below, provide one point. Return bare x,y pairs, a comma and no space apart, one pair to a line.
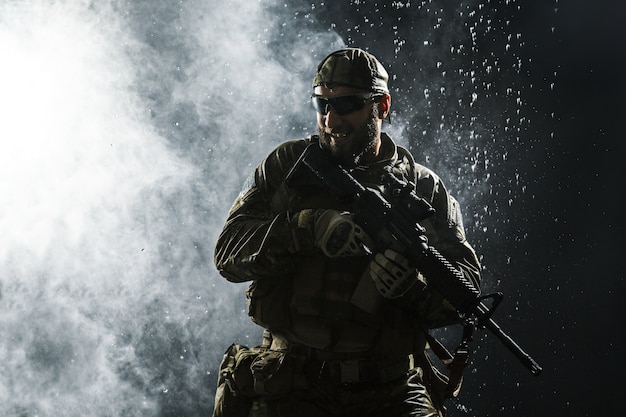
343,367
356,371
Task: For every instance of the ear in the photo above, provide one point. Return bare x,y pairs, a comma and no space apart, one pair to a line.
384,106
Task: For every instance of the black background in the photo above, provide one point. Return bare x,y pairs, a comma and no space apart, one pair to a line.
567,274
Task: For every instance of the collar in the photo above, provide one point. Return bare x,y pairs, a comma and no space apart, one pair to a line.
388,154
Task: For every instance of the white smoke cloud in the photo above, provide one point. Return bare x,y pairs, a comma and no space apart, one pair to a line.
127,128
78,165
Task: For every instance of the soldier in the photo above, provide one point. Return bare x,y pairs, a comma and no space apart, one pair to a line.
330,349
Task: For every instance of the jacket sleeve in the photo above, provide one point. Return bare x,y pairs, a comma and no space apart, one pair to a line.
445,232
258,238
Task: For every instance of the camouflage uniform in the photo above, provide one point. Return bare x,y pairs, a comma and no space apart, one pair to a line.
349,353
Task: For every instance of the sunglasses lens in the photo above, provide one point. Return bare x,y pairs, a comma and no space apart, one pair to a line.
347,104
320,104
341,105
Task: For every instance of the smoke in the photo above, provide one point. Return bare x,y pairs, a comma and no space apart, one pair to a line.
127,130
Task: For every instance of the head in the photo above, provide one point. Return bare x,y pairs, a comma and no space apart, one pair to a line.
351,97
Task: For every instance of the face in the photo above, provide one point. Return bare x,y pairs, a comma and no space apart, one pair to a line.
352,138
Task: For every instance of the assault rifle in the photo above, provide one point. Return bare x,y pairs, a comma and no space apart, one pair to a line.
394,223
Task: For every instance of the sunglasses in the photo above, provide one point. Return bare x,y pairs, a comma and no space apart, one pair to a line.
342,105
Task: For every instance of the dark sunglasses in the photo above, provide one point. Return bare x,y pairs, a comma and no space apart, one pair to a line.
342,105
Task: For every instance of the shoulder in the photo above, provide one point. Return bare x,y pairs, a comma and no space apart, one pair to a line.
427,182
289,151
280,160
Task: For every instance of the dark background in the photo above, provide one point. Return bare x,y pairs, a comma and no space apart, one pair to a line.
564,279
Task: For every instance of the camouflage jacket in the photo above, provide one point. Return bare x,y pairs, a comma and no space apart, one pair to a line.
308,298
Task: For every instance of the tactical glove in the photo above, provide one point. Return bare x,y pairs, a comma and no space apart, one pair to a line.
337,235
392,274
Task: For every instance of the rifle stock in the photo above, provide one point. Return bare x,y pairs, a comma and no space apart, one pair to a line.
395,225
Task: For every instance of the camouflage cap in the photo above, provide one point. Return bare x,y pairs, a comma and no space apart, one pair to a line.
352,67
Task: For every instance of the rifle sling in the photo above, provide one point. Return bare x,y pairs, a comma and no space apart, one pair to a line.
455,363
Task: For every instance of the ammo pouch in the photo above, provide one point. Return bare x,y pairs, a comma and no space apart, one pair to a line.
268,303
275,373
246,373
231,399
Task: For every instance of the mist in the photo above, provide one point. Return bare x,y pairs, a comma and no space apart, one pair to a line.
128,128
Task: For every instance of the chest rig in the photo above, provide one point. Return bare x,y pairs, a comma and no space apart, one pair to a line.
314,305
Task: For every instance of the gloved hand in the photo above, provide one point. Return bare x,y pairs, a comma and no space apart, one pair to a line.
392,274
337,235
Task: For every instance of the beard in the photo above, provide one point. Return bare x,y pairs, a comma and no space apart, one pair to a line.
360,143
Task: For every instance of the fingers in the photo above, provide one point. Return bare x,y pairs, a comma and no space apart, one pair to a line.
363,238
337,235
392,274
391,263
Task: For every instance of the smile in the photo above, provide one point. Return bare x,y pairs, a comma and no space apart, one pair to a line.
338,136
